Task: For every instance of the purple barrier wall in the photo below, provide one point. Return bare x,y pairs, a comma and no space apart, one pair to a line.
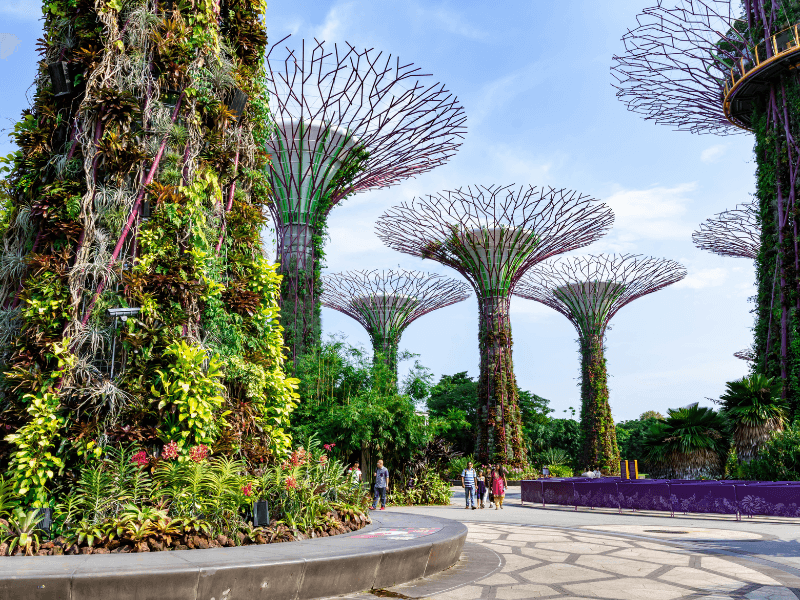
559,491
645,495
771,498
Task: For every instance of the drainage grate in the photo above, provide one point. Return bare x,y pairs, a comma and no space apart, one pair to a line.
663,531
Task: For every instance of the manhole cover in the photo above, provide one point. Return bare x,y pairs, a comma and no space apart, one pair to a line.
663,531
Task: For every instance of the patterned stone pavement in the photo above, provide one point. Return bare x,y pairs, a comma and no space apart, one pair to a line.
513,562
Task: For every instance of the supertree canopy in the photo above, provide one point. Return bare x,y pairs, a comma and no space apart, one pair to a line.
492,235
589,291
137,304
347,120
387,302
722,66
735,232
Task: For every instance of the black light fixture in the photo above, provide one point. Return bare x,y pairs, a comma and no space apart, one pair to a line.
260,513
46,520
121,314
145,210
238,103
59,76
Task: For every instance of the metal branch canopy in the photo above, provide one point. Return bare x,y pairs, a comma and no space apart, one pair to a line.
735,232
387,302
346,121
492,235
589,291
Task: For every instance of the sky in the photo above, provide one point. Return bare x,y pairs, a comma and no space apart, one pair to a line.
536,88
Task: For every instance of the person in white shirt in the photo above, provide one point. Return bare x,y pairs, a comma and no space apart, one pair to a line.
355,475
468,480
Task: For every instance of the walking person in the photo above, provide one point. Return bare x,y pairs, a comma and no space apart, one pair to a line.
468,480
381,483
490,484
499,489
482,489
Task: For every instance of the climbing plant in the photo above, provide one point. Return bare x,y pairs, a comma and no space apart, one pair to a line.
135,301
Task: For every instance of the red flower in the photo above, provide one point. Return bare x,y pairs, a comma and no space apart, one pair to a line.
170,451
290,483
140,458
329,447
198,453
323,459
248,489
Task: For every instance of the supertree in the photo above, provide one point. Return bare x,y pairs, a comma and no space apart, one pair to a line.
724,67
746,354
387,302
589,291
735,232
346,121
492,235
132,265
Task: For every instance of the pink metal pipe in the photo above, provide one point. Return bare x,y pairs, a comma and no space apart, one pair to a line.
134,213
229,205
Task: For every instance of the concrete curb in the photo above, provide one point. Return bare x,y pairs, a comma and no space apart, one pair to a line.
291,571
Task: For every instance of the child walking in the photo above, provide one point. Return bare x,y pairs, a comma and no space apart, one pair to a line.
498,489
481,489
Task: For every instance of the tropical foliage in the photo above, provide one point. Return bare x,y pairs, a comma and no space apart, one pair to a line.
139,185
691,443
755,407
130,501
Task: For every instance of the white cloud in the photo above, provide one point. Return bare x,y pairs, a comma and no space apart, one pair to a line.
655,213
8,43
713,154
704,278
495,94
22,9
336,20
450,21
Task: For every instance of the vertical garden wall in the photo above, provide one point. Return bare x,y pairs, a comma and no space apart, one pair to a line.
136,302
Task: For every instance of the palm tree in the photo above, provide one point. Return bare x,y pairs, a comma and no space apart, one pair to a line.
689,444
755,407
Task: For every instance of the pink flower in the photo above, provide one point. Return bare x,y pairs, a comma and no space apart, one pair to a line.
323,459
290,483
198,453
329,447
170,451
140,458
248,489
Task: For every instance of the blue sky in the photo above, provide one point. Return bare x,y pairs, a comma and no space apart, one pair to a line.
535,83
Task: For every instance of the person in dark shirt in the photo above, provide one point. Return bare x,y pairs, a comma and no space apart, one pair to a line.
381,483
481,489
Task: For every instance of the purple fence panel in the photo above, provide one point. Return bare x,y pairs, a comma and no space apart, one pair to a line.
559,492
600,493
645,495
772,500
531,491
704,497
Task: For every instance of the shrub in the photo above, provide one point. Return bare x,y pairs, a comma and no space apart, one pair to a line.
427,489
779,459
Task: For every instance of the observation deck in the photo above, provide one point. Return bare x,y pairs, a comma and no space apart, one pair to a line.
751,81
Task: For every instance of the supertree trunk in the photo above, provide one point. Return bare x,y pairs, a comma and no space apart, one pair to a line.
385,346
600,450
301,314
500,421
778,159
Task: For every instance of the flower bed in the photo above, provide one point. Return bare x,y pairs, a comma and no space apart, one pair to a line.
128,500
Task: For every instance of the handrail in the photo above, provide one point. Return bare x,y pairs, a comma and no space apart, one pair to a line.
791,45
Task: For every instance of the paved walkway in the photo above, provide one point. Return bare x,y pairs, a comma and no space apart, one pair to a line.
525,552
